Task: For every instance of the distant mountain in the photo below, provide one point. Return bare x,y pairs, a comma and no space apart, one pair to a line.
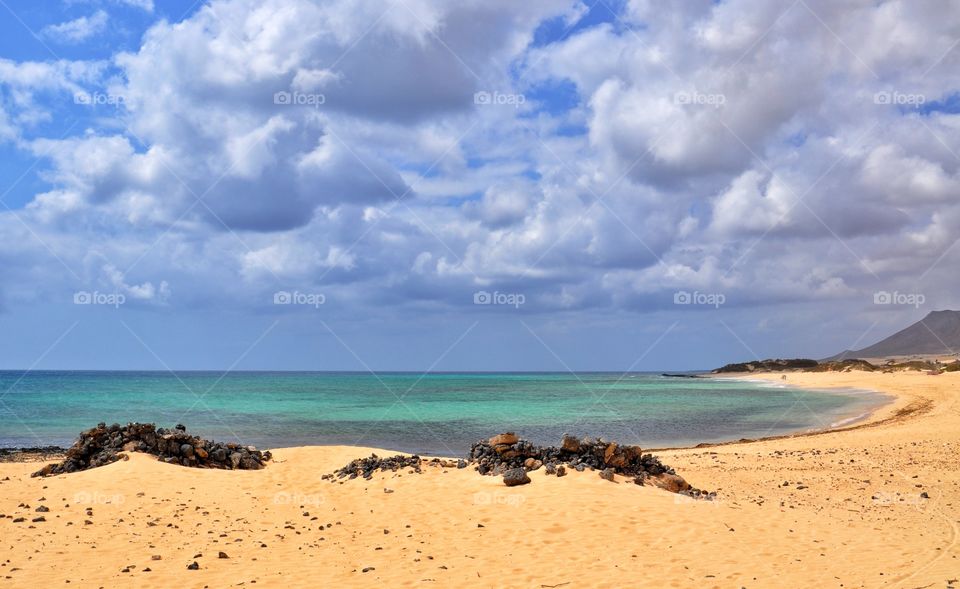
937,333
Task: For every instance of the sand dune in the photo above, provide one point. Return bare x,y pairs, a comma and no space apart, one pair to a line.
850,515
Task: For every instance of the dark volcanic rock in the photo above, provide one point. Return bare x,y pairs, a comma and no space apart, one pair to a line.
580,454
515,476
102,445
365,467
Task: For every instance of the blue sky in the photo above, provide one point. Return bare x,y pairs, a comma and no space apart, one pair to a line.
556,185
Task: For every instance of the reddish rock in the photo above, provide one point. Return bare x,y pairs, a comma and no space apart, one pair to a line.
670,482
532,464
570,444
508,439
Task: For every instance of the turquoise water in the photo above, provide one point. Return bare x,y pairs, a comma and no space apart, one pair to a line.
434,413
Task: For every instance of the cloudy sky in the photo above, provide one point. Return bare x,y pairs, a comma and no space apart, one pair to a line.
480,184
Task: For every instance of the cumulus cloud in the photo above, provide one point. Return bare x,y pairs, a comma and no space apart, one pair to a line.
77,30
777,153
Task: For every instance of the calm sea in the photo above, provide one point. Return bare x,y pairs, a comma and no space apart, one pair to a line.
439,413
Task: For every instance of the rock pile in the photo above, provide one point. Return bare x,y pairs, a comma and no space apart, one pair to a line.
365,467
102,445
504,453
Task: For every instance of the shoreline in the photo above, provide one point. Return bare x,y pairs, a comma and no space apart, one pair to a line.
900,407
874,504
857,419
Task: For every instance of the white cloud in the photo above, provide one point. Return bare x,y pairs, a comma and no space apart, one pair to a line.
77,30
709,126
141,4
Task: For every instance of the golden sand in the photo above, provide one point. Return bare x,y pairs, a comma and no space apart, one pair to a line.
850,515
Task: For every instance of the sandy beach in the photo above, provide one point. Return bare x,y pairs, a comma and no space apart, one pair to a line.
837,509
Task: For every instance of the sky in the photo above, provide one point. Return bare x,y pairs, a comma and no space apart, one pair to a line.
472,185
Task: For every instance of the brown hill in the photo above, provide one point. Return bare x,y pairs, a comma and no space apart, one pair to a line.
936,334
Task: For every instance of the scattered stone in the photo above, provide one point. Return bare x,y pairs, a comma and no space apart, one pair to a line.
924,495
561,471
43,509
515,476
39,519
194,566
607,474
368,569
222,554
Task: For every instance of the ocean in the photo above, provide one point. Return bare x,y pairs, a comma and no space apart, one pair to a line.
435,413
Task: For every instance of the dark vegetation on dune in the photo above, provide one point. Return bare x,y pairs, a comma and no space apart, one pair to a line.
806,365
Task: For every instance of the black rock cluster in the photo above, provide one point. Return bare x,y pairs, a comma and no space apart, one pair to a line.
365,467
508,455
103,444
506,451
